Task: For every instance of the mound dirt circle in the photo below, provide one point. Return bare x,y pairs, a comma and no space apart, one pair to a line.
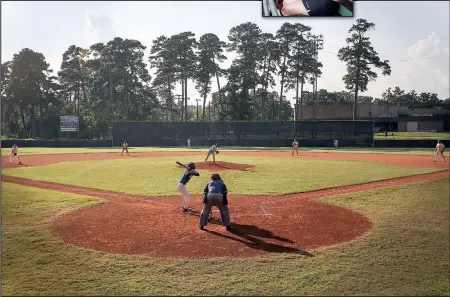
221,165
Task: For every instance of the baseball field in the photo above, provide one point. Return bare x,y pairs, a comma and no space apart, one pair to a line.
325,222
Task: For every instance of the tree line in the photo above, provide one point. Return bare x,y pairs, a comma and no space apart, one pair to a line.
111,81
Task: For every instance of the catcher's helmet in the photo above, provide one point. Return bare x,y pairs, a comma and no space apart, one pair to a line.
191,166
215,176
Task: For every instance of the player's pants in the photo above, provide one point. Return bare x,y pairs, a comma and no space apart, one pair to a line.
214,199
335,145
189,144
12,157
213,155
439,153
125,150
295,149
184,193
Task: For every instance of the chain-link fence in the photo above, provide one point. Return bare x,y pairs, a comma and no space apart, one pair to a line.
320,133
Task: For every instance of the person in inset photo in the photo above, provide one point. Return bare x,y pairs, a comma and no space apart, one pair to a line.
308,7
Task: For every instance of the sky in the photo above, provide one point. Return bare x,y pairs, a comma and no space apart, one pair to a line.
405,32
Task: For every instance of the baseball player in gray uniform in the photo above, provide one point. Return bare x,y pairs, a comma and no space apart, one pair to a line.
215,195
213,151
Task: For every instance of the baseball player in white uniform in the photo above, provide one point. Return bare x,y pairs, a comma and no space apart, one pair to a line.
13,155
213,151
440,151
336,144
295,147
189,142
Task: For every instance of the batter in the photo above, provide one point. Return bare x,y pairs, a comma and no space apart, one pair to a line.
190,171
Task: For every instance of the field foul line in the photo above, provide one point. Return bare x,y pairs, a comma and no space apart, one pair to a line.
265,212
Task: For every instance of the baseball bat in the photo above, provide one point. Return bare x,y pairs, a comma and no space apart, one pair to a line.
181,164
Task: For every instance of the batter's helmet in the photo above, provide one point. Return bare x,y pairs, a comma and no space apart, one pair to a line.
191,166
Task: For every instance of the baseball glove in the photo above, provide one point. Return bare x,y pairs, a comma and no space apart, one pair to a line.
217,152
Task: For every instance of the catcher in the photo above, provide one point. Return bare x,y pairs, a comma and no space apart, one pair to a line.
13,155
125,148
215,195
213,150
190,171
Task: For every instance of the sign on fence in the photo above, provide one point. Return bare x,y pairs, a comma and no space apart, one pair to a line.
69,123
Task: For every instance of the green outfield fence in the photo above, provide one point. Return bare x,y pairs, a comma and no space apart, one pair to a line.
310,133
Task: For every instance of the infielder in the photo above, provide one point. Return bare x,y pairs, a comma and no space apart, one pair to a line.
336,144
295,147
190,171
189,142
215,195
13,155
213,150
125,147
440,151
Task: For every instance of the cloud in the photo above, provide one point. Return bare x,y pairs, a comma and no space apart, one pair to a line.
99,28
430,74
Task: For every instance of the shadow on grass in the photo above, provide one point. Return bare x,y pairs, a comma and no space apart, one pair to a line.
252,236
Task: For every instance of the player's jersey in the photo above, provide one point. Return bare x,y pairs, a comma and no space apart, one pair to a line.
335,142
187,176
216,186
125,145
213,148
440,147
295,144
14,149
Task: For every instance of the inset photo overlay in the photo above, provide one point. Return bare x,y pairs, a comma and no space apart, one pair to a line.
315,8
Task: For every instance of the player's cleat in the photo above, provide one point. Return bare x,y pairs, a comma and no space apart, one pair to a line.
229,228
202,227
20,163
434,160
185,210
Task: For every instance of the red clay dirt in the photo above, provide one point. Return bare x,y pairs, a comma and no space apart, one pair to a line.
220,166
132,224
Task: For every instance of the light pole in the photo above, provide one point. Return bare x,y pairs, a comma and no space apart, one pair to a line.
197,107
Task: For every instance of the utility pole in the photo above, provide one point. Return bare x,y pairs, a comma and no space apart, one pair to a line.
197,107
318,45
209,111
179,98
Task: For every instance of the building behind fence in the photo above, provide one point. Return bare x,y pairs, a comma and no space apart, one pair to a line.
309,133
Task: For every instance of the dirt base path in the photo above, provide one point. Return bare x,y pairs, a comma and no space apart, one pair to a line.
133,224
402,160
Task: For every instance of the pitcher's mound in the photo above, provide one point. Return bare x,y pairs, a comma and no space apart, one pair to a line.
220,165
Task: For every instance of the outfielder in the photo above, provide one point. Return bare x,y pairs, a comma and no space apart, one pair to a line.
189,142
13,155
295,147
336,144
215,195
213,150
190,171
440,151
125,147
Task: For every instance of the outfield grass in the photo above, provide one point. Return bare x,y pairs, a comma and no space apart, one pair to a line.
51,151
159,176
407,253
413,136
